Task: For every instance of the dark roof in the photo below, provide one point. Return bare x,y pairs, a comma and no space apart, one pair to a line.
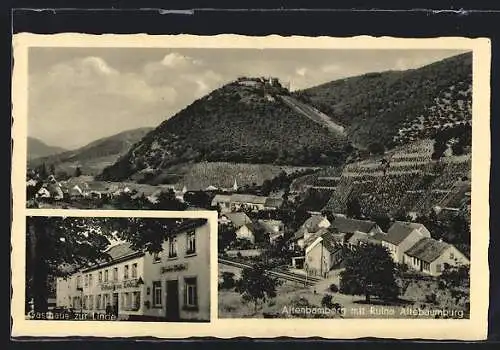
331,242
352,225
399,231
120,250
427,249
238,219
273,202
310,225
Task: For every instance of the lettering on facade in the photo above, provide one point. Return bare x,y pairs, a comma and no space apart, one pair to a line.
125,284
172,268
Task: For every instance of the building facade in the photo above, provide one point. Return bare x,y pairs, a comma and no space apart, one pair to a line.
430,256
173,285
401,236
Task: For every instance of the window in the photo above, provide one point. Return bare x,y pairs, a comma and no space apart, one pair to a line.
79,282
125,272
86,280
452,256
100,276
98,302
115,274
157,295
105,275
85,302
172,247
90,280
134,270
438,267
156,257
190,294
136,301
91,302
425,266
191,242
126,301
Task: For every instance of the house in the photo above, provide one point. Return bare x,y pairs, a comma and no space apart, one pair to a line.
429,256
309,227
322,253
55,190
31,182
275,228
401,236
223,201
273,203
236,219
247,201
76,191
247,231
347,225
43,193
173,285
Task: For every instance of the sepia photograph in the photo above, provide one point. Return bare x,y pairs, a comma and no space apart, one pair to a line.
117,269
348,179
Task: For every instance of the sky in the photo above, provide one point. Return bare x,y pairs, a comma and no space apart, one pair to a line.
78,95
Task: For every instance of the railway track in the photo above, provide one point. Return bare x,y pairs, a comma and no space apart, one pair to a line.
279,273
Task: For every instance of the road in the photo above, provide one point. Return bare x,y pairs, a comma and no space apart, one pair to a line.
313,114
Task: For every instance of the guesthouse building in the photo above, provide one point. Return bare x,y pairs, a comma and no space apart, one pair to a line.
173,285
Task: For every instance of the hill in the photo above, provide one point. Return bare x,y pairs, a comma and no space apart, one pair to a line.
396,107
245,121
93,157
38,148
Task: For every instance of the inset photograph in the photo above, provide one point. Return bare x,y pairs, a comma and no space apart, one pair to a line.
117,269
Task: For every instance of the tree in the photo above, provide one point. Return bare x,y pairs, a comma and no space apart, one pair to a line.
255,285
354,208
376,148
370,271
226,235
439,149
42,171
52,169
78,171
55,246
168,201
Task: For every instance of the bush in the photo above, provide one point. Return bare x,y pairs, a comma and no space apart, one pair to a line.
327,301
334,288
228,281
431,298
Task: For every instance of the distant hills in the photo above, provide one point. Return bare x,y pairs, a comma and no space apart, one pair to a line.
397,107
245,121
93,157
38,148
256,121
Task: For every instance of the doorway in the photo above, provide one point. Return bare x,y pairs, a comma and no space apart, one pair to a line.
172,312
115,304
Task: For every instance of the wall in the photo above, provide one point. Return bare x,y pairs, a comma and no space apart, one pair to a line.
407,243
113,286
244,233
457,259
317,260
193,265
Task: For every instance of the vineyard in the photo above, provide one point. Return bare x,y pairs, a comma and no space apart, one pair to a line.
201,175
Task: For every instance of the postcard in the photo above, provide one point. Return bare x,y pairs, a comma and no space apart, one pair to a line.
250,186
